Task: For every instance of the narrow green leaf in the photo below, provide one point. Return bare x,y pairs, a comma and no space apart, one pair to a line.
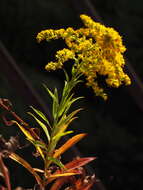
57,162
71,115
50,92
44,127
55,104
66,75
55,100
65,125
38,112
64,105
65,89
69,103
59,135
65,119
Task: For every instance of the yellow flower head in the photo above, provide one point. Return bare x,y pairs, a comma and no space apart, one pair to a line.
95,49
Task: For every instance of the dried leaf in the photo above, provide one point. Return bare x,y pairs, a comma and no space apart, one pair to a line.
25,164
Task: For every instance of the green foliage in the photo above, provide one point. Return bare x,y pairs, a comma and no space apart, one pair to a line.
54,131
39,113
44,127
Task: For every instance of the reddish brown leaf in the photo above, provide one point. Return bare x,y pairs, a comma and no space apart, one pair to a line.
78,162
63,174
72,167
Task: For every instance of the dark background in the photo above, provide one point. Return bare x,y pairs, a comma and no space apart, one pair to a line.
114,127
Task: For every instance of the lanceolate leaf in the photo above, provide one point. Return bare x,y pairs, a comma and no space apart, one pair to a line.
44,127
59,173
66,120
66,104
25,131
69,144
78,162
71,115
59,135
29,137
55,101
25,164
51,93
69,103
63,175
66,75
55,104
38,112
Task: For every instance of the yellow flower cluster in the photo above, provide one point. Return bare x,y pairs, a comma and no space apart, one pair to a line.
50,34
61,56
96,50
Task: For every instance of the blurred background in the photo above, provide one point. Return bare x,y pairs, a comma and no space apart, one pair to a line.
114,127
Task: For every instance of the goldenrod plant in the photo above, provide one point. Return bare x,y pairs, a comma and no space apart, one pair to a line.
95,50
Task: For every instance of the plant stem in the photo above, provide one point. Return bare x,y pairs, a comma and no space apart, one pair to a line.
62,111
5,172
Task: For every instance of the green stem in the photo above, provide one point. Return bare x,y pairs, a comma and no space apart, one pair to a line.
55,129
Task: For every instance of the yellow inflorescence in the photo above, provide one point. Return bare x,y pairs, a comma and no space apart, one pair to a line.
97,50
61,56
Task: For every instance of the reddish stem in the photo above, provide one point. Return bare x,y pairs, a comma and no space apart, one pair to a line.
5,172
17,118
5,107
